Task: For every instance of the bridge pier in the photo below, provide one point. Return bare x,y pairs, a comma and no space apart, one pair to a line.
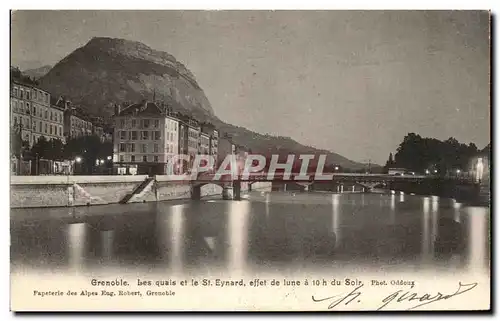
196,192
237,190
227,193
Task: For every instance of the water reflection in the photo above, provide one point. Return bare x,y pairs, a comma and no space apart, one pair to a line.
237,234
76,245
426,250
336,219
267,231
478,234
457,206
176,230
107,244
393,208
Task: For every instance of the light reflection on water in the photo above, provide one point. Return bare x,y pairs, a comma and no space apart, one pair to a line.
270,231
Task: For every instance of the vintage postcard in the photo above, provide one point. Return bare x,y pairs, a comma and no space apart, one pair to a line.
250,160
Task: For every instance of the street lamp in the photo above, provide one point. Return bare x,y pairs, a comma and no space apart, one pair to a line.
336,168
435,171
78,159
458,171
427,172
109,158
101,161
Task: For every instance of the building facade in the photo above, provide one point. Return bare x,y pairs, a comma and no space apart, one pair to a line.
145,138
33,114
76,124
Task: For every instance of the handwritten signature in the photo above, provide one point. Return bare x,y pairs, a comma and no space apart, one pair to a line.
396,297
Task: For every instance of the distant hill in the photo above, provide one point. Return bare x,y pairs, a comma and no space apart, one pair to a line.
37,73
107,71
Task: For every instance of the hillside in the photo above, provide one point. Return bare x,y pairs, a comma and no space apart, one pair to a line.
37,73
107,71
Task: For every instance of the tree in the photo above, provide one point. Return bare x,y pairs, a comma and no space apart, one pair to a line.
390,163
42,148
89,149
16,143
419,154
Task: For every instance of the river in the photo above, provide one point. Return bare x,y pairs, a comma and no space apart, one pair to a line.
276,232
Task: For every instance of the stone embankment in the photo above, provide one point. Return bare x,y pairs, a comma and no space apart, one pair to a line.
61,191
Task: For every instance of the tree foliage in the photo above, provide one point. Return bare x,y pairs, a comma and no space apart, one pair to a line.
17,144
418,154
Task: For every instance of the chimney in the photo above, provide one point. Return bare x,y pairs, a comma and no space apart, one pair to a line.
117,109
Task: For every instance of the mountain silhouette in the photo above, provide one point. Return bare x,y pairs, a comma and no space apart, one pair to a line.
106,71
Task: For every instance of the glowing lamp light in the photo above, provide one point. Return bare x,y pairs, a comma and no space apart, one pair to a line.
435,171
427,171
458,171
101,161
78,159
336,168
109,157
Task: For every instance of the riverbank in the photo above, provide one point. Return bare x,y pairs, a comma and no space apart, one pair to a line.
69,191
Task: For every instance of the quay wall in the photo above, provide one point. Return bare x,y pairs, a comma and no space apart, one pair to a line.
61,191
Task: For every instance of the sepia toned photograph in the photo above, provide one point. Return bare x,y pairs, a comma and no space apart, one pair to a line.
239,160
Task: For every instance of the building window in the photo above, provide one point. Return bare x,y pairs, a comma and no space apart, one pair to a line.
122,123
122,159
34,110
27,94
45,128
40,129
155,159
35,94
15,92
22,94
122,147
155,148
123,135
145,123
134,123
157,135
60,131
15,121
50,129
144,148
144,158
46,114
132,158
133,135
157,123
145,135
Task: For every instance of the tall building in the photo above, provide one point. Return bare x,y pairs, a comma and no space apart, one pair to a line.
213,138
146,136
33,114
76,122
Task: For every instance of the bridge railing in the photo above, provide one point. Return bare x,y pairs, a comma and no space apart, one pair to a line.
310,177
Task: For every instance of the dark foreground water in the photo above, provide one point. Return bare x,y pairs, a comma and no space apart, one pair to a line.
265,232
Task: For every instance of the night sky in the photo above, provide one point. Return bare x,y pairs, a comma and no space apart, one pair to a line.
352,82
